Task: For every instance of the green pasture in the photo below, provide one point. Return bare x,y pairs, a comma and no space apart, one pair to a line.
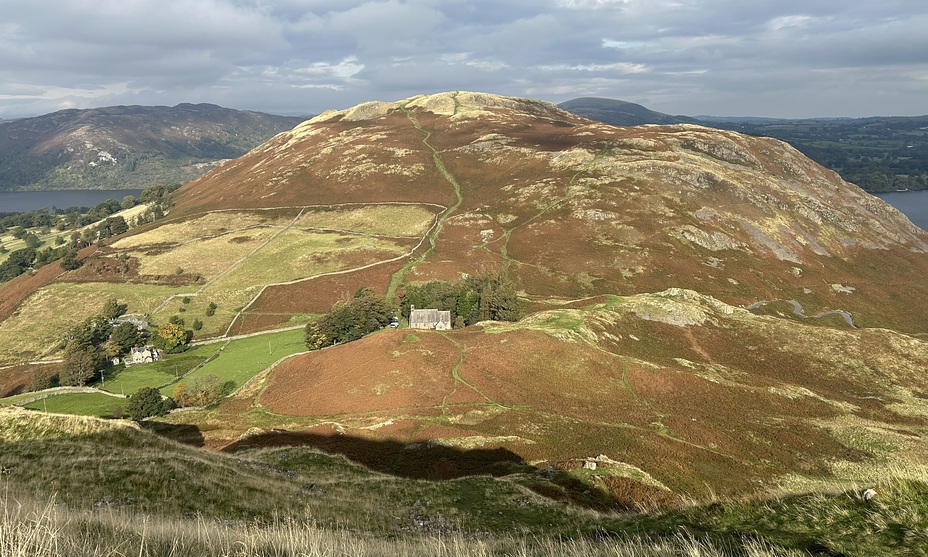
242,359
157,374
80,404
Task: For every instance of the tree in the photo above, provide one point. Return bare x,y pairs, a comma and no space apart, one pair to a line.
170,338
32,241
113,309
349,320
80,365
112,226
70,262
146,402
123,338
18,262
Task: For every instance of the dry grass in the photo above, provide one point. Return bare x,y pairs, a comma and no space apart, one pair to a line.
30,527
208,225
385,220
207,256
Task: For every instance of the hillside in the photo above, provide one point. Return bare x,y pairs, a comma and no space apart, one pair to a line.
879,154
703,312
127,146
129,492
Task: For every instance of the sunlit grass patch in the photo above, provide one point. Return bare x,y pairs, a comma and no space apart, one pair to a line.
80,404
386,220
294,255
41,321
244,358
211,224
206,257
156,374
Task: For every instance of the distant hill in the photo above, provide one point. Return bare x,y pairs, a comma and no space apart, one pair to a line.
127,146
620,113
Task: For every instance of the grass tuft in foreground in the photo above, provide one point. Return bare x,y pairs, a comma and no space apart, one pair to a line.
30,527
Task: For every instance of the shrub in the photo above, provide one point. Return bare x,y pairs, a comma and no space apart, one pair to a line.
201,391
146,402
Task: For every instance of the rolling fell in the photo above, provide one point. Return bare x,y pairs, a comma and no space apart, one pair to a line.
702,312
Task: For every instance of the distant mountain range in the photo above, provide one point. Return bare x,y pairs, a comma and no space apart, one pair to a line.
127,146
879,154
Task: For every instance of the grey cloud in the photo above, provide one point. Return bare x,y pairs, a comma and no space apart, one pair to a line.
764,57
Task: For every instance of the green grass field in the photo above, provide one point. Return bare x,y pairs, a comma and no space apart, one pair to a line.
244,358
79,404
156,374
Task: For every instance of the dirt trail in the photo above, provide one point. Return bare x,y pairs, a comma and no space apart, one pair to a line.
432,236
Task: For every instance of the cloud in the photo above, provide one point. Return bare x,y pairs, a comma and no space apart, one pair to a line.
765,58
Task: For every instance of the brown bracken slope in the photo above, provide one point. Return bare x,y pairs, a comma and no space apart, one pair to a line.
573,208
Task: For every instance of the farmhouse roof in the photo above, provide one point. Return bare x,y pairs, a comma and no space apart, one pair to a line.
429,319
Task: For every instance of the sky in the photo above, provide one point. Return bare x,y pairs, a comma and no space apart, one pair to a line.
779,58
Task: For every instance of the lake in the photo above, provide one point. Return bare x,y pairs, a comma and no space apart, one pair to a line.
914,204
20,201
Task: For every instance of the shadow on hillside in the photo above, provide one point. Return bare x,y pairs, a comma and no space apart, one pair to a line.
419,460
182,433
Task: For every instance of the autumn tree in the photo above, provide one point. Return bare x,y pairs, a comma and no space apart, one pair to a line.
200,391
170,338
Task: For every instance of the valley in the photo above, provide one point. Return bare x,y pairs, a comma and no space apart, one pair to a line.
703,315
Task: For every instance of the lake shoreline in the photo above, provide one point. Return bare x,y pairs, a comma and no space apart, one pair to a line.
23,201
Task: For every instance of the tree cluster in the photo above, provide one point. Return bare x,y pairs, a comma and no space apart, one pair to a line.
487,296
349,320
88,346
